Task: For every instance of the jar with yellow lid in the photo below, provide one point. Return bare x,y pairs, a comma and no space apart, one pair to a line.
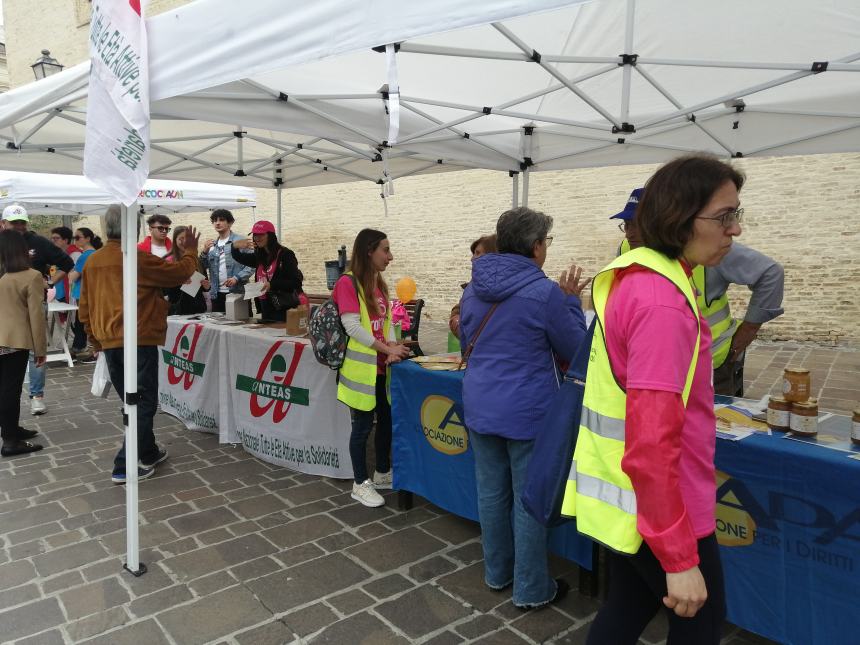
804,418
796,384
779,414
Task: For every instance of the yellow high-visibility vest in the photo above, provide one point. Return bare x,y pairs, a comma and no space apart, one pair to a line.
356,384
716,312
719,317
598,492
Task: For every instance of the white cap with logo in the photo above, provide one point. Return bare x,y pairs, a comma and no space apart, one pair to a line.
15,212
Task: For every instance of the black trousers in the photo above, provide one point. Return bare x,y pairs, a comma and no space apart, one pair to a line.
362,424
637,586
13,367
729,377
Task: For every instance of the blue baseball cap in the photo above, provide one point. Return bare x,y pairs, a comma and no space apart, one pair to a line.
629,211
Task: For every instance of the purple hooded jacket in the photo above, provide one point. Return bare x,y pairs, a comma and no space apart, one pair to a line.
511,375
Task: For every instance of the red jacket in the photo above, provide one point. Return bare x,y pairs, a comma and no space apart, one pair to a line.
146,245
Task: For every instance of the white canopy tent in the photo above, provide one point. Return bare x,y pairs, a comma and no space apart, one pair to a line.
47,194
277,95
602,83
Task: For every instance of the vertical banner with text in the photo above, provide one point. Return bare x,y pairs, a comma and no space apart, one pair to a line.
116,155
188,375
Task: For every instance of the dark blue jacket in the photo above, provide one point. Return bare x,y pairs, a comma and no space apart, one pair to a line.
511,375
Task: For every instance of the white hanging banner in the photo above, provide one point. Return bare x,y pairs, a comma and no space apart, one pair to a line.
116,155
393,95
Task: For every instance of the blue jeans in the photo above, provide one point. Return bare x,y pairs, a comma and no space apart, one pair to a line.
37,377
515,545
362,424
147,406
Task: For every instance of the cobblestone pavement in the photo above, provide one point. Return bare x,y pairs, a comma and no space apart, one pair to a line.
243,552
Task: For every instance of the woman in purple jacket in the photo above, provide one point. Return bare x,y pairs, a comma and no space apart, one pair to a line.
510,380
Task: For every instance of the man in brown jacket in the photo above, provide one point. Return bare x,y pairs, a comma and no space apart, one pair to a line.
100,310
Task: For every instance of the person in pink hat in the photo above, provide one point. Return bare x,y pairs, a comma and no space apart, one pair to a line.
276,267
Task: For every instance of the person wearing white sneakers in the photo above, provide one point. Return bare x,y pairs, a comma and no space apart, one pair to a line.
43,255
361,296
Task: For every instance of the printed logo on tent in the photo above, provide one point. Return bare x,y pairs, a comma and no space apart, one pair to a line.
274,382
180,361
442,423
160,194
735,527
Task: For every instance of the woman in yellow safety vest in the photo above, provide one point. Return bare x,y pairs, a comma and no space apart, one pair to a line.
361,296
643,468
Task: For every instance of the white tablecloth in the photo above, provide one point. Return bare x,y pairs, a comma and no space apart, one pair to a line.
264,391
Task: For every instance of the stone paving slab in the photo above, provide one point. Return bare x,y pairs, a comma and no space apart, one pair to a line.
241,552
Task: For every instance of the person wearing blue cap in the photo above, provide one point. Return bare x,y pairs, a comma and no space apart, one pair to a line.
742,265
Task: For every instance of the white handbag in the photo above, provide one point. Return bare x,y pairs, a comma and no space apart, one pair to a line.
101,378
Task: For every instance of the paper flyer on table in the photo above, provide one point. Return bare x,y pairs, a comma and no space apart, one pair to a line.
253,290
193,285
736,421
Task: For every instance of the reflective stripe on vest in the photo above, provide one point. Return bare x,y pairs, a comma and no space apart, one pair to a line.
598,492
719,318
356,384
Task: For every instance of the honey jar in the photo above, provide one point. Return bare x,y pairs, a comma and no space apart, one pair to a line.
855,427
796,384
804,418
779,414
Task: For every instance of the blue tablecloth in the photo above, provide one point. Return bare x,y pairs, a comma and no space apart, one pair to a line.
428,406
788,513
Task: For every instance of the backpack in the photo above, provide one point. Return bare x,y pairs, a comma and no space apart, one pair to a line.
327,335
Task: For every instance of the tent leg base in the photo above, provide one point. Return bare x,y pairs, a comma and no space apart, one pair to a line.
137,573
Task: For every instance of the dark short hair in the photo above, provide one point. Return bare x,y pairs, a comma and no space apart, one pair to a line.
222,212
675,194
487,241
64,232
519,228
158,218
14,254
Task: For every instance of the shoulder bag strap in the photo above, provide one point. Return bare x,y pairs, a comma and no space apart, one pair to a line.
483,324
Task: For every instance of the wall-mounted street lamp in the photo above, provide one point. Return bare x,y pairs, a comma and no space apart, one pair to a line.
46,66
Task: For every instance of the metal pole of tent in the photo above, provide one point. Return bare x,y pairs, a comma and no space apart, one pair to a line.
516,191
129,340
278,191
526,187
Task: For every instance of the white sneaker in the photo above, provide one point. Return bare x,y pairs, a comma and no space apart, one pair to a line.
37,406
382,480
366,494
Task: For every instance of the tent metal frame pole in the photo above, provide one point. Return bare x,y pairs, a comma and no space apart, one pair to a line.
626,70
458,133
278,193
798,67
202,137
823,133
240,151
515,176
36,128
525,202
793,112
478,112
742,93
335,167
464,52
129,311
552,71
193,155
415,171
335,97
657,86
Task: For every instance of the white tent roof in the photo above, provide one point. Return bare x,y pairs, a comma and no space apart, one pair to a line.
602,83
42,193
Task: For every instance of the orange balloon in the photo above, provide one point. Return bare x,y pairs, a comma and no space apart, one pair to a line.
406,289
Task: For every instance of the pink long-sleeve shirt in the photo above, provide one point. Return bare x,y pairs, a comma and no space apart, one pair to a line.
669,450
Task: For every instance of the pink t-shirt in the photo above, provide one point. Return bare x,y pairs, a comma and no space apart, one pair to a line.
346,299
651,335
